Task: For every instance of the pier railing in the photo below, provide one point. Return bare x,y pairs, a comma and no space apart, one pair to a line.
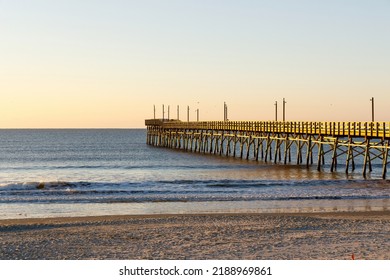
339,129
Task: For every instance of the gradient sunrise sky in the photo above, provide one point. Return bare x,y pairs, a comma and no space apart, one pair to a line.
101,64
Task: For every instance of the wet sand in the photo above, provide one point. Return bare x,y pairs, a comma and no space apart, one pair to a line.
214,236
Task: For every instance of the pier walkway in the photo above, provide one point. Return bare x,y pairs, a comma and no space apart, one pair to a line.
273,141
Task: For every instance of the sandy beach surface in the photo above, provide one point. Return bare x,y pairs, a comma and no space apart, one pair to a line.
215,236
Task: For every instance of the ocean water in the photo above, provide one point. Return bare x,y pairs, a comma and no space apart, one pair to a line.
78,172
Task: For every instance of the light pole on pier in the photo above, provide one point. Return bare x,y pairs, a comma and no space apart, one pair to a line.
197,114
188,113
163,111
178,118
154,112
276,110
168,112
284,110
225,112
372,109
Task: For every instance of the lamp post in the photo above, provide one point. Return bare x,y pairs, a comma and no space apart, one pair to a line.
197,113
284,110
372,109
225,112
276,110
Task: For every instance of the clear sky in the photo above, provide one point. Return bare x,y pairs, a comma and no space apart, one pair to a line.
92,64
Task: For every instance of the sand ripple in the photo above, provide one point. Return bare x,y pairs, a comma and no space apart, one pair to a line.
244,236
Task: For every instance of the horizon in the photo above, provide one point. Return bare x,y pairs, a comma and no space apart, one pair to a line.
145,127
98,64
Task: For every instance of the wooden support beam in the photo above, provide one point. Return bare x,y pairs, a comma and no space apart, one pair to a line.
268,149
349,155
249,142
286,149
309,152
320,153
366,158
385,159
334,155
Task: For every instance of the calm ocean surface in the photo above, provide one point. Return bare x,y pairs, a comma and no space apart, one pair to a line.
77,172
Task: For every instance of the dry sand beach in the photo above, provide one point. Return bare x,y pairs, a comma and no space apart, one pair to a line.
217,236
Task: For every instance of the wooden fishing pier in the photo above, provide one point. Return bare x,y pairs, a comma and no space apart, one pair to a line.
280,141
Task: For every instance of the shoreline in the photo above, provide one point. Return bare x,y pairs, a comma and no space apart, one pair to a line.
250,236
336,215
46,210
